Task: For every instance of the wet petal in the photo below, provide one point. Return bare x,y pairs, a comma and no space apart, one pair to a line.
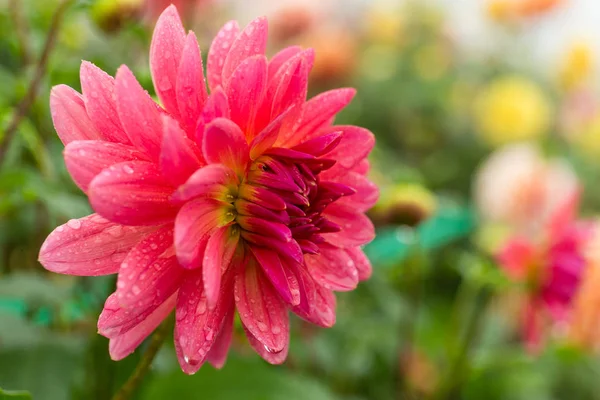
281,277
89,246
357,228
333,269
191,87
219,252
281,58
270,356
250,42
218,352
179,157
165,54
69,116
361,262
218,52
132,193
85,159
225,143
204,181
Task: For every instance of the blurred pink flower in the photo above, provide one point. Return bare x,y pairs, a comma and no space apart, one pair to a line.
552,268
246,199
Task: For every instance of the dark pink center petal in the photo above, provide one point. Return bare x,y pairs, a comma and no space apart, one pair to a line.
89,246
195,222
85,159
179,157
69,116
165,54
132,193
261,310
191,87
225,143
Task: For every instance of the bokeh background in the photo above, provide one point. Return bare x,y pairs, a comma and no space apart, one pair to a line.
487,118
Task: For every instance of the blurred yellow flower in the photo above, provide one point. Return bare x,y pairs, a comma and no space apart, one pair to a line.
588,140
510,10
576,66
510,109
432,61
384,25
404,204
111,15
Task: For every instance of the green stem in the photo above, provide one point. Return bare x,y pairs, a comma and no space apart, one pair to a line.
143,366
34,86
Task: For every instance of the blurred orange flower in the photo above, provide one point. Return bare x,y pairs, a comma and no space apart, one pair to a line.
508,10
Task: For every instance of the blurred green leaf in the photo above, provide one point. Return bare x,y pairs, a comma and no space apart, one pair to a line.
14,395
248,379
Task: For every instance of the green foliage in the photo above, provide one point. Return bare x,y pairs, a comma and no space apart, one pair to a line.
14,395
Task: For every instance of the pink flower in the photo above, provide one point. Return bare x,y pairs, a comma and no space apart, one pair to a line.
552,268
246,199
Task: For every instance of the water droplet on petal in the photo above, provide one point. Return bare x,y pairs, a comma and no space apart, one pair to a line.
74,223
153,246
201,309
127,169
136,289
275,329
262,326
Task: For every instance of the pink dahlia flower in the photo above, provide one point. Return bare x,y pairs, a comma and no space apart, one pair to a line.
246,199
552,267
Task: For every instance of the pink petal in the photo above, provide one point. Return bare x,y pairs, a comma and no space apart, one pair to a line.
218,352
357,228
99,95
116,320
139,114
269,229
261,310
87,158
281,58
322,302
219,252
123,345
89,246
270,356
179,157
267,138
280,276
245,92
165,54
320,145
132,193
69,116
250,42
333,269
225,143
319,113
262,197
366,194
361,262
218,52
290,250
216,106
197,326
196,220
204,181
150,273
191,87
355,145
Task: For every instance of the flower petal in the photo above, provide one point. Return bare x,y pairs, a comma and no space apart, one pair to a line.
116,320
165,54
218,52
281,58
196,220
123,345
268,136
219,252
216,106
261,310
317,303
281,277
250,42
367,193
355,145
191,87
179,157
225,143
245,92
89,246
139,114
85,159
270,356
150,273
204,181
361,262
319,112
218,352
69,116
99,96
132,193
333,269
197,326
357,228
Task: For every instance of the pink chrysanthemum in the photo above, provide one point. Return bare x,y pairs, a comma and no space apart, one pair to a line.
246,199
552,267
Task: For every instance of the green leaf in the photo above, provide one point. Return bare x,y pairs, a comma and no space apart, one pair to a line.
14,395
248,379
392,245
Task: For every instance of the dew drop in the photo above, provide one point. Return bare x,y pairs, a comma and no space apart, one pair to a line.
127,169
136,289
74,223
210,334
153,246
262,326
201,309
164,84
275,329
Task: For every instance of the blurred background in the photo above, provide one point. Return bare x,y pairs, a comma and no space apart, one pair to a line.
486,280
